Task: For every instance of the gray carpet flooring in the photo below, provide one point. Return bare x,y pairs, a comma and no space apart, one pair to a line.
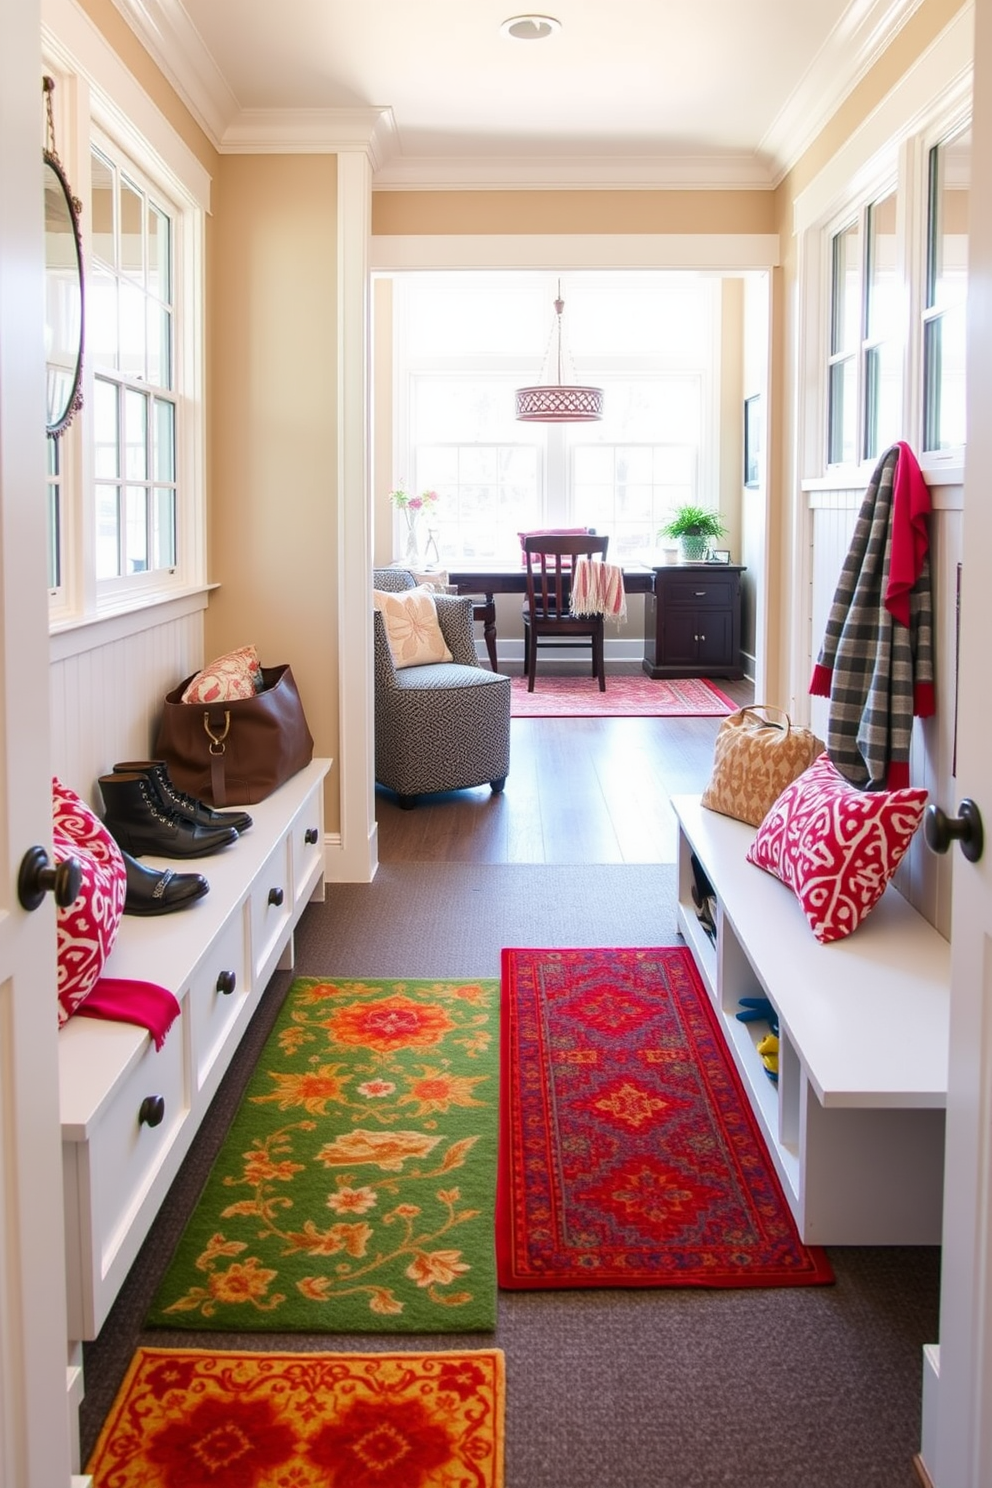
812,1387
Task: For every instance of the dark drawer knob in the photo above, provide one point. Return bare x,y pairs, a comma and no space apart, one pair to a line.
276,897
151,1112
310,836
226,982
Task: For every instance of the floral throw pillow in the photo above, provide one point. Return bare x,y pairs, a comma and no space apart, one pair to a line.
412,628
836,846
237,674
87,929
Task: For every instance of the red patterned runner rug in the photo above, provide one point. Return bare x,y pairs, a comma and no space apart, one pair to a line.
629,1155
625,697
190,1419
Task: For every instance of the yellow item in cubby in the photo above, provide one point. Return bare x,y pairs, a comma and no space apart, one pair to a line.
768,1049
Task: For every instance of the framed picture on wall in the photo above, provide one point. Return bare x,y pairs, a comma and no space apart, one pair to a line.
752,438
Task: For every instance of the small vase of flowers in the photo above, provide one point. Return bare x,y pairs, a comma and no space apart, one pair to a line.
414,510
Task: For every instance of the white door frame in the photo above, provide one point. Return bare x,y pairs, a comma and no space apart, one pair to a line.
35,1449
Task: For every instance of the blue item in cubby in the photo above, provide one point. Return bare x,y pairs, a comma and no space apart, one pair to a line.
752,1009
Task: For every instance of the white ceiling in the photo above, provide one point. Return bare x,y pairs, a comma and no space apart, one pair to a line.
638,92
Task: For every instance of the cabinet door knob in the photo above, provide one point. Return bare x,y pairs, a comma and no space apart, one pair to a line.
310,836
151,1112
37,877
276,897
226,982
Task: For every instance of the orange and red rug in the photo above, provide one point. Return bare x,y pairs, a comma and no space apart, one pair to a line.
190,1419
629,1155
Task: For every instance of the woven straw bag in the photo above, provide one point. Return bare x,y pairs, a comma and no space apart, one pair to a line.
755,756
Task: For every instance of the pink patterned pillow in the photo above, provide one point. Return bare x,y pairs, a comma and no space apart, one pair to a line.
836,846
86,931
237,674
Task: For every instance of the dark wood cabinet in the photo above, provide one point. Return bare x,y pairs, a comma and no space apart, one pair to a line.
692,621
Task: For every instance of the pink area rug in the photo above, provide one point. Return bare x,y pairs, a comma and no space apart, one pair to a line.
625,697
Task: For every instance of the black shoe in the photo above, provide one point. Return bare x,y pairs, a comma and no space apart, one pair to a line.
173,799
139,823
151,891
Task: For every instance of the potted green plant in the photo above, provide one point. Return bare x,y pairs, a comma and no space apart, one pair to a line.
695,527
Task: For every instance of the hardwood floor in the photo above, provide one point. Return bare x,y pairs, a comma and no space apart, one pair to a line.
580,790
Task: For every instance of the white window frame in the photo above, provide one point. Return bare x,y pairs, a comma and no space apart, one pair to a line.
944,124
99,103
554,463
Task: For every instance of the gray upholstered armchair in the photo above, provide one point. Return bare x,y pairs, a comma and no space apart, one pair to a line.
444,726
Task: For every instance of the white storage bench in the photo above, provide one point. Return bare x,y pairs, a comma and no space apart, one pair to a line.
129,1111
855,1125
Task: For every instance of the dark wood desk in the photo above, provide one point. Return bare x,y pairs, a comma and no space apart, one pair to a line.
513,580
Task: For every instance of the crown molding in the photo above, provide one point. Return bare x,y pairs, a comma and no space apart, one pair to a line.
575,173
862,34
311,132
174,44
857,41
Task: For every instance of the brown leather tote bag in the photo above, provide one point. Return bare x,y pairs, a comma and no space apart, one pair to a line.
236,753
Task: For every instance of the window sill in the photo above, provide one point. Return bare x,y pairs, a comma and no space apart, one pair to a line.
856,478
74,635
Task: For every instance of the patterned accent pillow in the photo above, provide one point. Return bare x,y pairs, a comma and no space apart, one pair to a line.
237,674
412,629
87,930
836,846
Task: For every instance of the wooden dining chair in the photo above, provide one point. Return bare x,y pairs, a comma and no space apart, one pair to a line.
550,558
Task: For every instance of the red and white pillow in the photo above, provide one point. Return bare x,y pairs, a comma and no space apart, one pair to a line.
836,846
236,674
87,930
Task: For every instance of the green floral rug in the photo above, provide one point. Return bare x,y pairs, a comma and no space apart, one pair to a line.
354,1192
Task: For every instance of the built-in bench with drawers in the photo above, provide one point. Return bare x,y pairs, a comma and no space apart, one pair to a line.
855,1123
129,1112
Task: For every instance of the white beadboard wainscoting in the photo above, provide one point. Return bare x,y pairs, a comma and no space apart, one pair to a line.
923,878
107,682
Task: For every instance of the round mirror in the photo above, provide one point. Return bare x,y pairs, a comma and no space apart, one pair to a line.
63,299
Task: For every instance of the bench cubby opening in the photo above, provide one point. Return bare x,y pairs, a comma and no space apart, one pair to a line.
855,1122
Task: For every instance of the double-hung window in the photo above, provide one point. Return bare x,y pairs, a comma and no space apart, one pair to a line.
125,482
896,360
130,320
948,181
866,343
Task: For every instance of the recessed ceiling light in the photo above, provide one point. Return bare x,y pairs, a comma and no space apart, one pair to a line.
530,27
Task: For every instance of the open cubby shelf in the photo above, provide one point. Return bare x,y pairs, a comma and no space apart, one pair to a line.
855,1123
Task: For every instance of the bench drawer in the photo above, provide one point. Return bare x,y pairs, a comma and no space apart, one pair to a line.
307,845
271,908
218,991
111,1174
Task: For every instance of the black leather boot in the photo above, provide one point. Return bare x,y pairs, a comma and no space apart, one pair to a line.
139,823
154,891
173,799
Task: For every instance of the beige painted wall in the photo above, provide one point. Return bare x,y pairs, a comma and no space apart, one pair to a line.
273,403
416,212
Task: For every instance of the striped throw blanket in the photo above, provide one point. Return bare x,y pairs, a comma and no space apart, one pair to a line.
597,589
876,662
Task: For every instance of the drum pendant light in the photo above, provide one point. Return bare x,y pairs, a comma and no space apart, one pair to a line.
555,401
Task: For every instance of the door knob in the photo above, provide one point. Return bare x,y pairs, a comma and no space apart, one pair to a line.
37,878
940,830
